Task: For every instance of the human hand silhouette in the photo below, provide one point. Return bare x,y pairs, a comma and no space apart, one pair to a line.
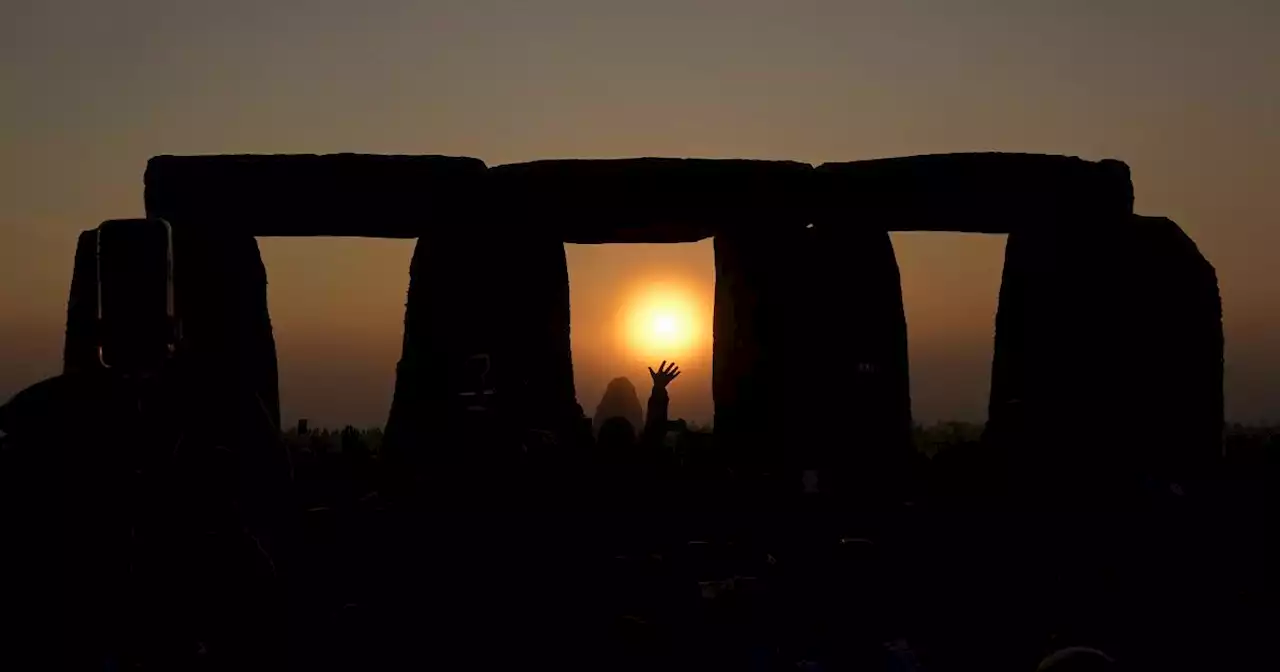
664,375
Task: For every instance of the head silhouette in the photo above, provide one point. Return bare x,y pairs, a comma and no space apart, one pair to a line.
616,434
619,401
1076,659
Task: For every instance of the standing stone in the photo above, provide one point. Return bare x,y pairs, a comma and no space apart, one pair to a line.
220,297
80,348
748,381
810,371
1046,358
849,318
486,357
1107,376
1169,386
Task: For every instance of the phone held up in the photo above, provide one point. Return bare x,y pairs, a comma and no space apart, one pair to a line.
137,328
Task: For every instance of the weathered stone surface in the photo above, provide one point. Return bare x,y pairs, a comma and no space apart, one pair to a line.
486,353
311,195
1107,375
979,192
80,349
810,358
649,200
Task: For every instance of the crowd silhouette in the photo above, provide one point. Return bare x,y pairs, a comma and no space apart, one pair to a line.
158,524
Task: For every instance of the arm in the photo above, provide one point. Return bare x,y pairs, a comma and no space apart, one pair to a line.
655,420
655,417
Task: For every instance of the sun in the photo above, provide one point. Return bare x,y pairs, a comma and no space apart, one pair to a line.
662,322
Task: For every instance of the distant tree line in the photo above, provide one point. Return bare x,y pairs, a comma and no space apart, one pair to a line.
1242,442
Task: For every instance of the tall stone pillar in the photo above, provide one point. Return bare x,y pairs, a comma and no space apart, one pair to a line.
811,369
80,347
1045,366
1056,336
486,357
220,297
1107,376
749,383
853,319
1170,364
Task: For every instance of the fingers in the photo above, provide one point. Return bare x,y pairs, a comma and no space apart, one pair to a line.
665,370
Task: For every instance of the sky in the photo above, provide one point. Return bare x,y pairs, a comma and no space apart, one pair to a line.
1187,93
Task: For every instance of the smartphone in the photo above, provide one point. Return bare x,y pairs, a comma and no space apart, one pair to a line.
137,328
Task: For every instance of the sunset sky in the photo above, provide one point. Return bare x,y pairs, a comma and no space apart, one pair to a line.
1187,93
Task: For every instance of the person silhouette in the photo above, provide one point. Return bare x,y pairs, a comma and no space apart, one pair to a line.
655,419
634,466
159,499
50,472
619,401
617,435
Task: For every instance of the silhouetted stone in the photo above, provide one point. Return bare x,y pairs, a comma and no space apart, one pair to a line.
1078,273
850,398
486,351
312,195
1108,360
650,200
810,365
1107,373
1052,347
80,349
220,297
1167,385
620,400
623,200
975,192
748,374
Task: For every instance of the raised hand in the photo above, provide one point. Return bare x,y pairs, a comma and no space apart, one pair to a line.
664,375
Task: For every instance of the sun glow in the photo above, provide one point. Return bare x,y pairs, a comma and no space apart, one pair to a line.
663,322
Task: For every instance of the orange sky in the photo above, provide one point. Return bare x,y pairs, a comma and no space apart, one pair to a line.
1183,91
